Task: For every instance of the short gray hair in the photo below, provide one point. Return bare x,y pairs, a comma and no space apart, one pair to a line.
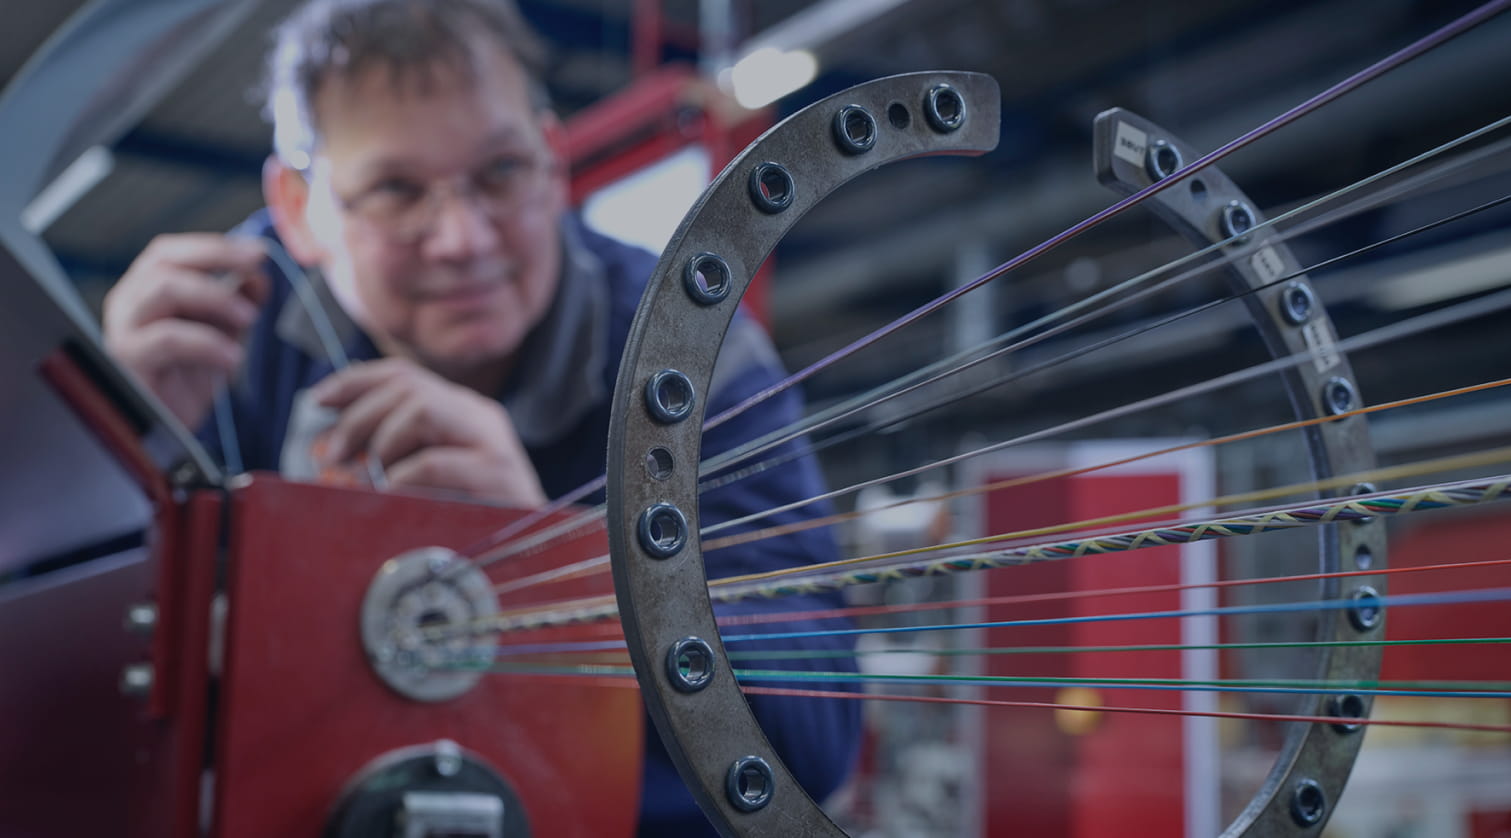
327,39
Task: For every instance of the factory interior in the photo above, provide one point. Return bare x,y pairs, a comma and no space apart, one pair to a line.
1141,361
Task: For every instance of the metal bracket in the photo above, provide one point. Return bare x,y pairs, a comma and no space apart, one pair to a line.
1132,153
710,732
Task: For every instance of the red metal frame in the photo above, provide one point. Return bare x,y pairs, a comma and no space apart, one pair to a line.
301,711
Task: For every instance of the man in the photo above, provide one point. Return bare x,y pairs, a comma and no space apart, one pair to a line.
416,168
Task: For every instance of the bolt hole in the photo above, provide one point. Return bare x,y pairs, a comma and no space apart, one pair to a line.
1338,396
771,188
1297,302
1346,707
1308,803
1367,610
1237,220
944,108
1199,189
1163,160
658,463
662,530
1363,489
1363,558
707,279
690,664
854,129
897,114
749,784
669,396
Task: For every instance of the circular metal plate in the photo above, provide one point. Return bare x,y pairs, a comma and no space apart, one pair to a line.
417,623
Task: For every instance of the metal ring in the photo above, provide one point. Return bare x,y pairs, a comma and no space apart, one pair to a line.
944,108
1297,302
771,187
1367,611
1237,219
707,279
1308,803
749,784
663,530
1338,395
669,397
1363,489
1162,160
699,671
1348,706
662,602
848,118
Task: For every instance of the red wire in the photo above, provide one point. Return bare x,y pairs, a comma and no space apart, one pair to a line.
1150,711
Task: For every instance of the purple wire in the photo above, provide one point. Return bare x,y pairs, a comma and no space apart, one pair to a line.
1358,79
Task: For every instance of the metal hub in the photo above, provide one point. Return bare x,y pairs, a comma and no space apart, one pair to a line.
419,624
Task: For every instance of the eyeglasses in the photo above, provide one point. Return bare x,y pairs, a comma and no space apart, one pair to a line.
406,210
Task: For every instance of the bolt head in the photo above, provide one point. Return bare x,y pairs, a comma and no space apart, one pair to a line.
136,679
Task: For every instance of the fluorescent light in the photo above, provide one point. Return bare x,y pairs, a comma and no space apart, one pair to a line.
768,74
67,188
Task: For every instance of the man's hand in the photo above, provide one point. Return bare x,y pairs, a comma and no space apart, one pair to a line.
176,319
426,432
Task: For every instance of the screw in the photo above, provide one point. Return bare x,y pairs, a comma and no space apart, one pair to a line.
136,680
141,618
448,758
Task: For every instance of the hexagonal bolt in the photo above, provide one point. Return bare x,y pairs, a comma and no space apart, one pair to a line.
690,664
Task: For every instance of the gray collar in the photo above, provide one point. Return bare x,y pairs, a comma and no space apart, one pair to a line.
558,376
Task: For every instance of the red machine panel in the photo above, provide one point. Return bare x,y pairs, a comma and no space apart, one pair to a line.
302,711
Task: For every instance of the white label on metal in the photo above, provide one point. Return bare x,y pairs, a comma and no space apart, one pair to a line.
1130,144
1267,264
1319,339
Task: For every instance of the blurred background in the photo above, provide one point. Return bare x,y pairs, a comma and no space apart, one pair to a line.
659,94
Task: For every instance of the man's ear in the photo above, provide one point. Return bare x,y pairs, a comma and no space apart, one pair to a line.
287,194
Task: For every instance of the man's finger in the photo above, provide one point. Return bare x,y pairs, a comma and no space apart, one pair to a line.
353,431
406,430
184,343
342,388
208,252
178,293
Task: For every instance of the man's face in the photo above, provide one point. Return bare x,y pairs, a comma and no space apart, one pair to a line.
458,292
